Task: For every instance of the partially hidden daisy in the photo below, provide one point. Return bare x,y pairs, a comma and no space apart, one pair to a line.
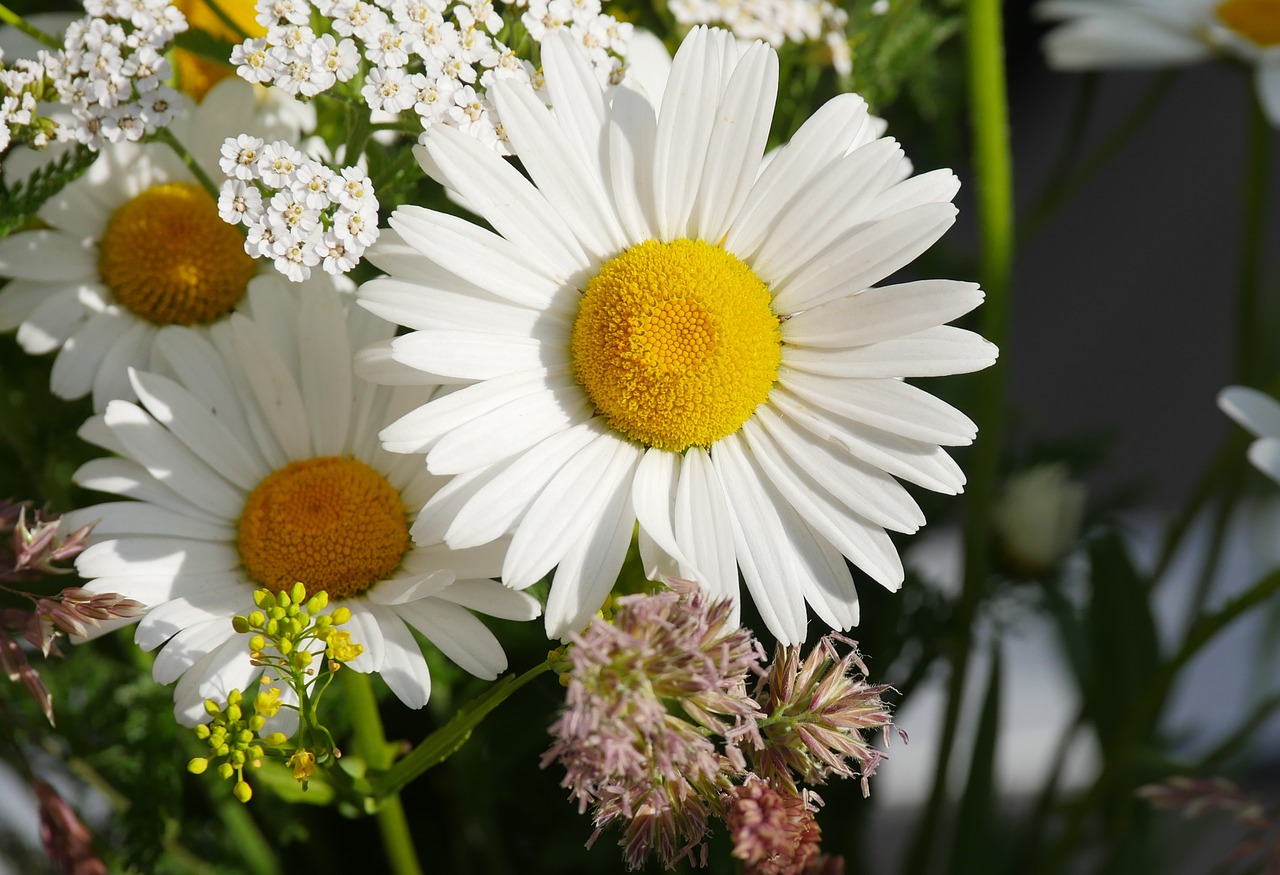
134,245
251,460
1259,413
659,331
1097,34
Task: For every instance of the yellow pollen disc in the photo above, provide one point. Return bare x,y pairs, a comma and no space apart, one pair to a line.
676,344
168,258
196,75
1256,20
333,523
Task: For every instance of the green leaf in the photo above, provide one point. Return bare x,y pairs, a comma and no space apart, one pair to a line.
1122,633
20,201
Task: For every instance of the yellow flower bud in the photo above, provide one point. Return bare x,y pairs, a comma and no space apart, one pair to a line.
240,624
267,702
298,593
318,602
197,766
341,615
243,791
276,739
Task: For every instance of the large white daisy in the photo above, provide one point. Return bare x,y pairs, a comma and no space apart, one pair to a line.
252,460
1097,34
134,245
661,331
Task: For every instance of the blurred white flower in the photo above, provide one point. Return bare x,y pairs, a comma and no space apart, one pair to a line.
1037,517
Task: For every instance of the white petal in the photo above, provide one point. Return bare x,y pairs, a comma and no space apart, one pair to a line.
197,428
684,132
793,456
828,209
478,355
256,423
81,356
892,405
567,508
19,299
510,203
589,569
478,256
404,668
188,646
131,349
419,430
171,462
738,137
820,141
1265,454
158,589
704,526
408,589
492,598
1116,41
366,631
567,174
577,99
1267,77
512,428
116,518
58,317
413,305
882,313
864,257
1256,411
164,621
918,462
128,478
767,566
325,353
273,387
458,635
504,498
632,129
653,496
156,556
933,352
50,256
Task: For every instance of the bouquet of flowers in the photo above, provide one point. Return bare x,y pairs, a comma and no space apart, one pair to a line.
375,364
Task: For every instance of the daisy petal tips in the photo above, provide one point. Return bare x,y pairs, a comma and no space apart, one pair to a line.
662,328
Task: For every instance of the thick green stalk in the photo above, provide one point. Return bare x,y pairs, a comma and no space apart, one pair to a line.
989,117
13,19
371,743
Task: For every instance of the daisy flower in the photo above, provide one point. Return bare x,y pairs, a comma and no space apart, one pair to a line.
133,245
1157,33
659,331
1260,414
252,460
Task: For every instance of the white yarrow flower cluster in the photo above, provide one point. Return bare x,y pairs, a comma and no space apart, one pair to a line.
298,212
22,87
418,55
775,22
112,67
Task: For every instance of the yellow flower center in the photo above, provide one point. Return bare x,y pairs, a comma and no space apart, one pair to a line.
168,258
676,344
1256,20
196,75
333,523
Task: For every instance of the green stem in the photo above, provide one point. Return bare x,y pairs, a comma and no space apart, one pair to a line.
1253,225
13,19
1217,539
439,745
1060,189
164,135
989,115
371,744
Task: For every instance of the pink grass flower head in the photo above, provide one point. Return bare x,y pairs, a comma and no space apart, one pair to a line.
815,712
645,693
67,841
773,833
